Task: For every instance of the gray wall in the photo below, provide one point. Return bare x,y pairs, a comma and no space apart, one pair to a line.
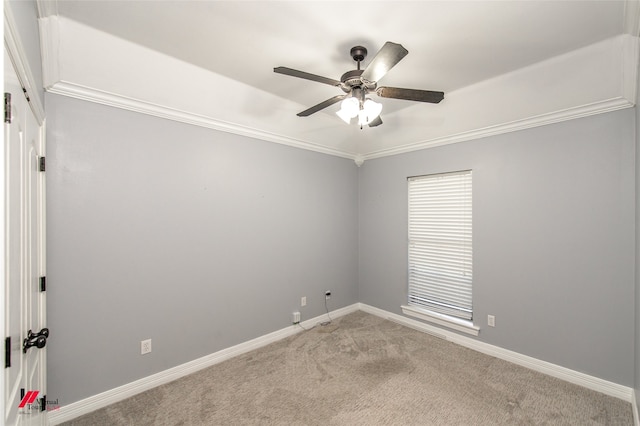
553,238
194,238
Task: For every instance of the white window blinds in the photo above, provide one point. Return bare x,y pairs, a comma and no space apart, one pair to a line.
440,250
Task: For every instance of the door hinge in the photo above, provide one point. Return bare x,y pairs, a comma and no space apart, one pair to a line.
7,107
43,403
43,164
26,95
7,352
43,283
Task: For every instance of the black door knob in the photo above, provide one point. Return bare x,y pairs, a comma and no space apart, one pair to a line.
39,340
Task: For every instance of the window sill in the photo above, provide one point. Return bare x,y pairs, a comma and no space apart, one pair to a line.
443,320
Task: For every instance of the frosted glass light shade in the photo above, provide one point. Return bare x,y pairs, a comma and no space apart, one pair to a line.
369,112
344,115
348,109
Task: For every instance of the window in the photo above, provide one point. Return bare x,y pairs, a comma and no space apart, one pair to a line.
440,249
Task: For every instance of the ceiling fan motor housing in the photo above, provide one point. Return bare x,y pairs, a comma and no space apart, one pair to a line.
351,79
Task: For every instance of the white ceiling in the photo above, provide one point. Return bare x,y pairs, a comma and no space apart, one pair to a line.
452,45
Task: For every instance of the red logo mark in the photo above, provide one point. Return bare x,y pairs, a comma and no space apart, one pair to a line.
29,398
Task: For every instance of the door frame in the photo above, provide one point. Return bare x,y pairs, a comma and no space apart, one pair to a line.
16,52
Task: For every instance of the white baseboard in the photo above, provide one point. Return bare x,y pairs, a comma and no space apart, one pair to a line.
599,385
95,402
85,406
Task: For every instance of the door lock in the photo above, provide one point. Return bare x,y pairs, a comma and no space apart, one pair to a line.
38,340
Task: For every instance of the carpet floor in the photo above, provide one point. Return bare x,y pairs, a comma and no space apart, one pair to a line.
364,370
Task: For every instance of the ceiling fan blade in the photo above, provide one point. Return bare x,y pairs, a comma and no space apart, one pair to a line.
306,76
410,94
376,122
386,58
321,106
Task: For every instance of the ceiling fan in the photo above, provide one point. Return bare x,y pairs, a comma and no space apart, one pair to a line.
357,84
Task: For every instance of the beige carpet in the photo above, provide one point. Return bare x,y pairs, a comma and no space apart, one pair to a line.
363,370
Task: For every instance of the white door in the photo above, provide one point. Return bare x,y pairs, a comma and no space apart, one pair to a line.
24,261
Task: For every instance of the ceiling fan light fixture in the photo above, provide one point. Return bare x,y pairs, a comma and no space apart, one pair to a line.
348,109
356,84
369,112
344,116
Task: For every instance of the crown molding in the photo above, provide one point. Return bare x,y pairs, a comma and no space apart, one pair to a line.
514,126
630,50
97,79
631,17
50,39
18,57
118,101
628,46
136,105
47,8
49,47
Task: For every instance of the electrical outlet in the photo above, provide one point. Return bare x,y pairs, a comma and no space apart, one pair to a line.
296,317
145,347
303,301
327,294
491,320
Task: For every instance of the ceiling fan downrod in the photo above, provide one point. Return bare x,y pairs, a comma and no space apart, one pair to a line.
358,53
